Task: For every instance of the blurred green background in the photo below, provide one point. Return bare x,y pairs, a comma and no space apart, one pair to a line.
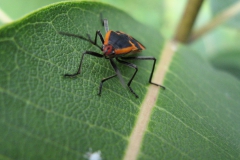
216,46
158,14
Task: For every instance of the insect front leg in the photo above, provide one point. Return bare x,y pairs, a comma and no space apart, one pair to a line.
98,33
81,61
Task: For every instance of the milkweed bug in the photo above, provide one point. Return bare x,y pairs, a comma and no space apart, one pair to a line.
116,45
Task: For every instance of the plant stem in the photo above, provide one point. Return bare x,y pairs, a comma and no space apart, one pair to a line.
227,14
186,23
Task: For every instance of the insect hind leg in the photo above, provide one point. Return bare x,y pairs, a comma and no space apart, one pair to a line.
146,58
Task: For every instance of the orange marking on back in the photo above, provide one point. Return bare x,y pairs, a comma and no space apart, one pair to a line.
141,46
134,48
107,37
124,50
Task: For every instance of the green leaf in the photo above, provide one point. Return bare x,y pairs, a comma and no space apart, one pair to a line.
197,116
228,60
46,116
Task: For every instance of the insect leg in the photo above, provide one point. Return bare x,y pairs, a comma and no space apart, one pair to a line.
83,38
130,81
98,33
146,58
103,80
80,65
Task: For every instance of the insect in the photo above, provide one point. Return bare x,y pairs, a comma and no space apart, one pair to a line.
116,45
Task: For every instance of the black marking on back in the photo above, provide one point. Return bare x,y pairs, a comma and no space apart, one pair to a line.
133,40
119,41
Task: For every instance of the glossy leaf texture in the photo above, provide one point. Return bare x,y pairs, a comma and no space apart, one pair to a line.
46,116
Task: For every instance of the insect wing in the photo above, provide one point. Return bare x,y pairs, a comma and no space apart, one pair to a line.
135,43
118,41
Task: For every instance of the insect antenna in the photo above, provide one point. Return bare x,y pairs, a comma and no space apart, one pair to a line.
105,21
81,37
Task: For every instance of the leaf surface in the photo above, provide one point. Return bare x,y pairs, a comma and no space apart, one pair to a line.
46,116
